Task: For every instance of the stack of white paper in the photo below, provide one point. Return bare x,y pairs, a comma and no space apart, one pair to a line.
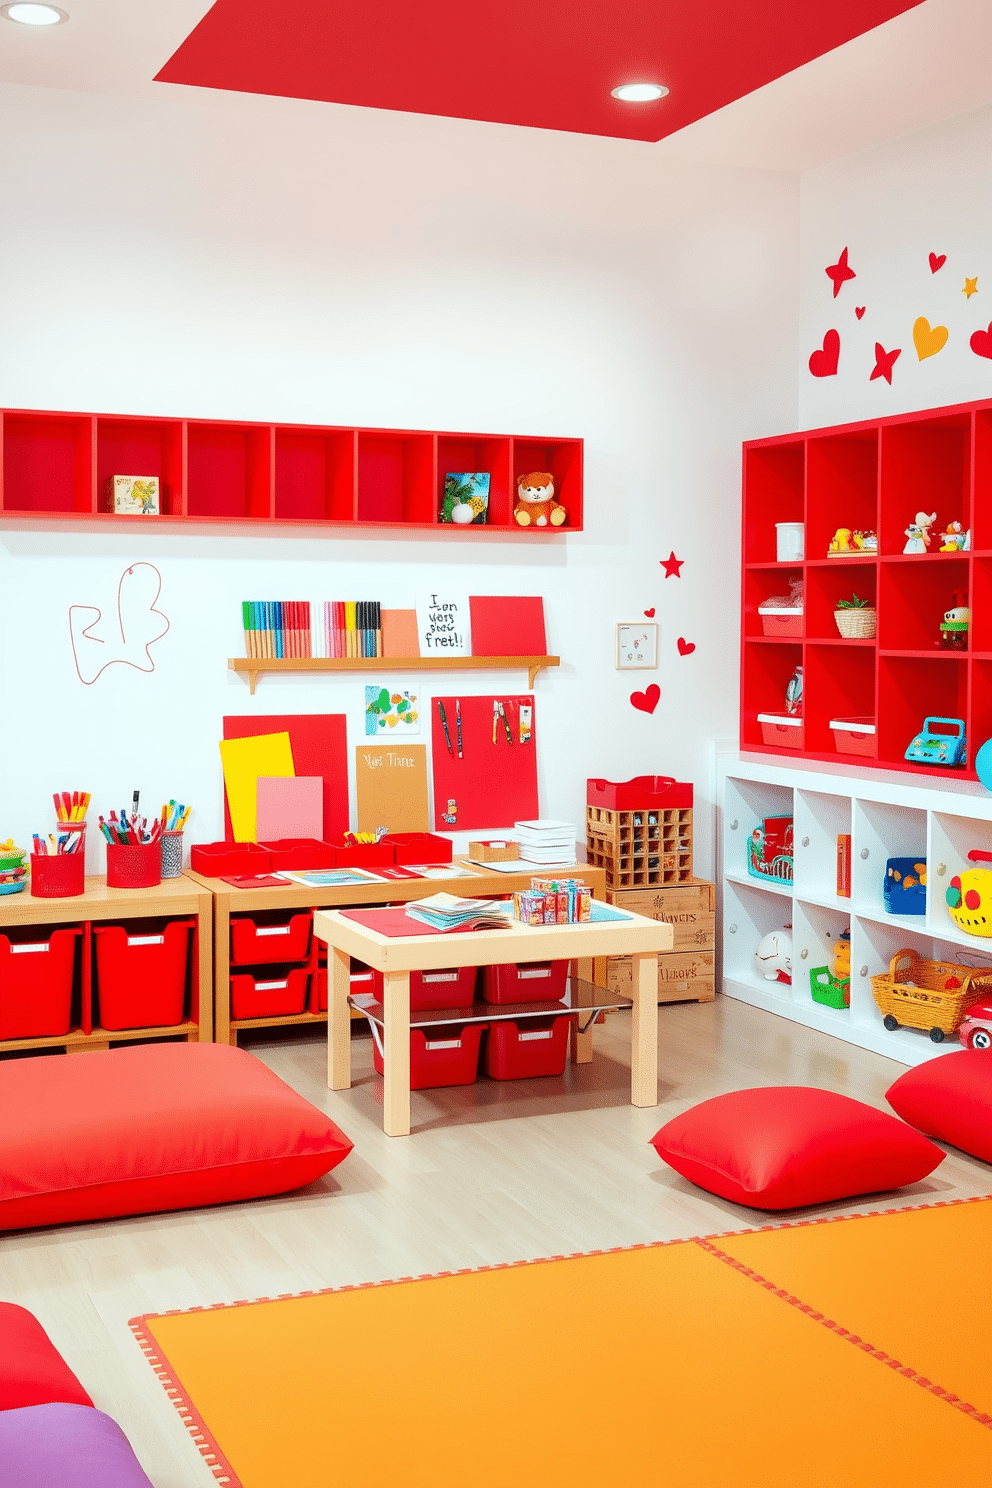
545,842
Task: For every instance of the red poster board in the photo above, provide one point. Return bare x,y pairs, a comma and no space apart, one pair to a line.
507,626
319,742
493,784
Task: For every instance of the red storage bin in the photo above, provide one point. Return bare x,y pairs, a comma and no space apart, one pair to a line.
449,988
782,623
643,793
420,847
851,736
524,1050
137,866
531,981
299,853
267,996
228,859
36,985
141,979
361,984
364,854
781,730
447,1054
254,944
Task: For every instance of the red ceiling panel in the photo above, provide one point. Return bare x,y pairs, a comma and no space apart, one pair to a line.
544,63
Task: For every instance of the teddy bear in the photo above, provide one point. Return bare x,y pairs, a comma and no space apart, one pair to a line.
536,505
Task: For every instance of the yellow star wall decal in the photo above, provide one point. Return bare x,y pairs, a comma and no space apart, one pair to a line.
970,287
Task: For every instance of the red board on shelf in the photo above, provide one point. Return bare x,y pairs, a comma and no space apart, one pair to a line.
319,742
511,625
491,781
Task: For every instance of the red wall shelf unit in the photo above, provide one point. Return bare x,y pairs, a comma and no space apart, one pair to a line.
871,476
56,465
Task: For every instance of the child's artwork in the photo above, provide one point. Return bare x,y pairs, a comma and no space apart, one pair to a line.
637,647
466,498
444,623
392,711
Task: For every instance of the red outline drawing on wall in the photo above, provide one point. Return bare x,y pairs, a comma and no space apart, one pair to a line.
139,625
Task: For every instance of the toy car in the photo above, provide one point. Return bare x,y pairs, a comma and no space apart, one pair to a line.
976,1027
941,741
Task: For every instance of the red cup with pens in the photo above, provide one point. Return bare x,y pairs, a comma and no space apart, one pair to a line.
134,851
58,862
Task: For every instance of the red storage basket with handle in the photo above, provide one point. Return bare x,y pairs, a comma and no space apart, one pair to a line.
269,996
532,981
36,985
447,1054
528,1049
452,987
141,979
254,944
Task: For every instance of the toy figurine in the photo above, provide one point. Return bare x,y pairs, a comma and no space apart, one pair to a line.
536,505
954,539
866,542
954,627
918,532
773,958
794,693
842,543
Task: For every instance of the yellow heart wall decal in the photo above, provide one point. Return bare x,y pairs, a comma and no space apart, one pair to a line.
928,339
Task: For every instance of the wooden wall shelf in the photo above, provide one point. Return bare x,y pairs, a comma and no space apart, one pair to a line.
253,667
56,465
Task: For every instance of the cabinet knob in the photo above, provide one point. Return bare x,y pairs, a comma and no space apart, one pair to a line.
805,842
803,954
734,825
864,855
731,929
941,869
863,971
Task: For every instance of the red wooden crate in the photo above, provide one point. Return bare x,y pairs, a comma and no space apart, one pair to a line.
36,985
447,1054
525,1050
256,944
269,996
532,981
141,979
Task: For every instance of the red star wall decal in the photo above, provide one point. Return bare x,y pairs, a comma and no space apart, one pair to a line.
671,565
840,272
884,361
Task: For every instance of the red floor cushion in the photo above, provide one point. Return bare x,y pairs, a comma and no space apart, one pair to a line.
32,1371
787,1146
152,1127
65,1446
949,1098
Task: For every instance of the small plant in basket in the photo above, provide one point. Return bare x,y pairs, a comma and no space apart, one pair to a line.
856,618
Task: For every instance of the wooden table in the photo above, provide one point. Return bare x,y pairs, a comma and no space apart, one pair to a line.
173,897
395,957
229,900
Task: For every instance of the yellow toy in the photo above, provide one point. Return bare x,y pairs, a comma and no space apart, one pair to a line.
969,897
841,543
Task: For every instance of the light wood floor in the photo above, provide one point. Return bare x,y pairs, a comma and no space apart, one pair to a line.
476,1184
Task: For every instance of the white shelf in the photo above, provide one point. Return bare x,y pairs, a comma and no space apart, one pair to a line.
886,816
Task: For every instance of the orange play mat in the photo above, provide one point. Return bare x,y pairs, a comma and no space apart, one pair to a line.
849,1351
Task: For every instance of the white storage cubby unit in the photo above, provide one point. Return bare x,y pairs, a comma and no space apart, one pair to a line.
886,816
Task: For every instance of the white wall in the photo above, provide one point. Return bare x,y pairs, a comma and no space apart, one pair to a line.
273,260
892,206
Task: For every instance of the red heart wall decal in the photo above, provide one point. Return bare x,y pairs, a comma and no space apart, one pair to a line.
824,363
650,613
686,648
937,261
647,700
859,310
981,342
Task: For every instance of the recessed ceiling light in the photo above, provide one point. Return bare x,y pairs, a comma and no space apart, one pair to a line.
29,13
639,92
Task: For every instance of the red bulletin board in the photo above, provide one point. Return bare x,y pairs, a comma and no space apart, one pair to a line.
319,742
493,785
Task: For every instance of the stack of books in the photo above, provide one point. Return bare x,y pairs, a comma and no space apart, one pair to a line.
448,912
549,843
336,629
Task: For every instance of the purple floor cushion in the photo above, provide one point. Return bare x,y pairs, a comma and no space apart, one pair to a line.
65,1446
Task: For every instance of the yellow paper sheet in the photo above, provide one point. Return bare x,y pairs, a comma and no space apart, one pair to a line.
244,760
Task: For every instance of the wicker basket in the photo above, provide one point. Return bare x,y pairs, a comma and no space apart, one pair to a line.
914,993
857,624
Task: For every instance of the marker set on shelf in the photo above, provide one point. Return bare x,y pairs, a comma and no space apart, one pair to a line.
70,810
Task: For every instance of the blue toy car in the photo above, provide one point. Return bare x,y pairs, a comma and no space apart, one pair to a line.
940,742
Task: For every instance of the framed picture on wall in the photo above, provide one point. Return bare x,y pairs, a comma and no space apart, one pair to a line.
637,646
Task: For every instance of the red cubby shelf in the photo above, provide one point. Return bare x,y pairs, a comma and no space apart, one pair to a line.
872,475
56,465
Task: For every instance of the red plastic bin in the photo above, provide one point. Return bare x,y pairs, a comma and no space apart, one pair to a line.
854,736
361,985
255,944
299,853
525,1050
268,996
530,981
782,730
364,854
36,985
447,1054
452,987
228,859
644,792
420,847
141,979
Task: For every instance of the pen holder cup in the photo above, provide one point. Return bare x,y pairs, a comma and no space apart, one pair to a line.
133,867
60,876
172,854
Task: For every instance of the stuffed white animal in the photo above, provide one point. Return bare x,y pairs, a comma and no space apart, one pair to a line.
773,958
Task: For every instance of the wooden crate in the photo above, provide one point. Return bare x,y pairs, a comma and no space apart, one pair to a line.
683,976
640,849
688,908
